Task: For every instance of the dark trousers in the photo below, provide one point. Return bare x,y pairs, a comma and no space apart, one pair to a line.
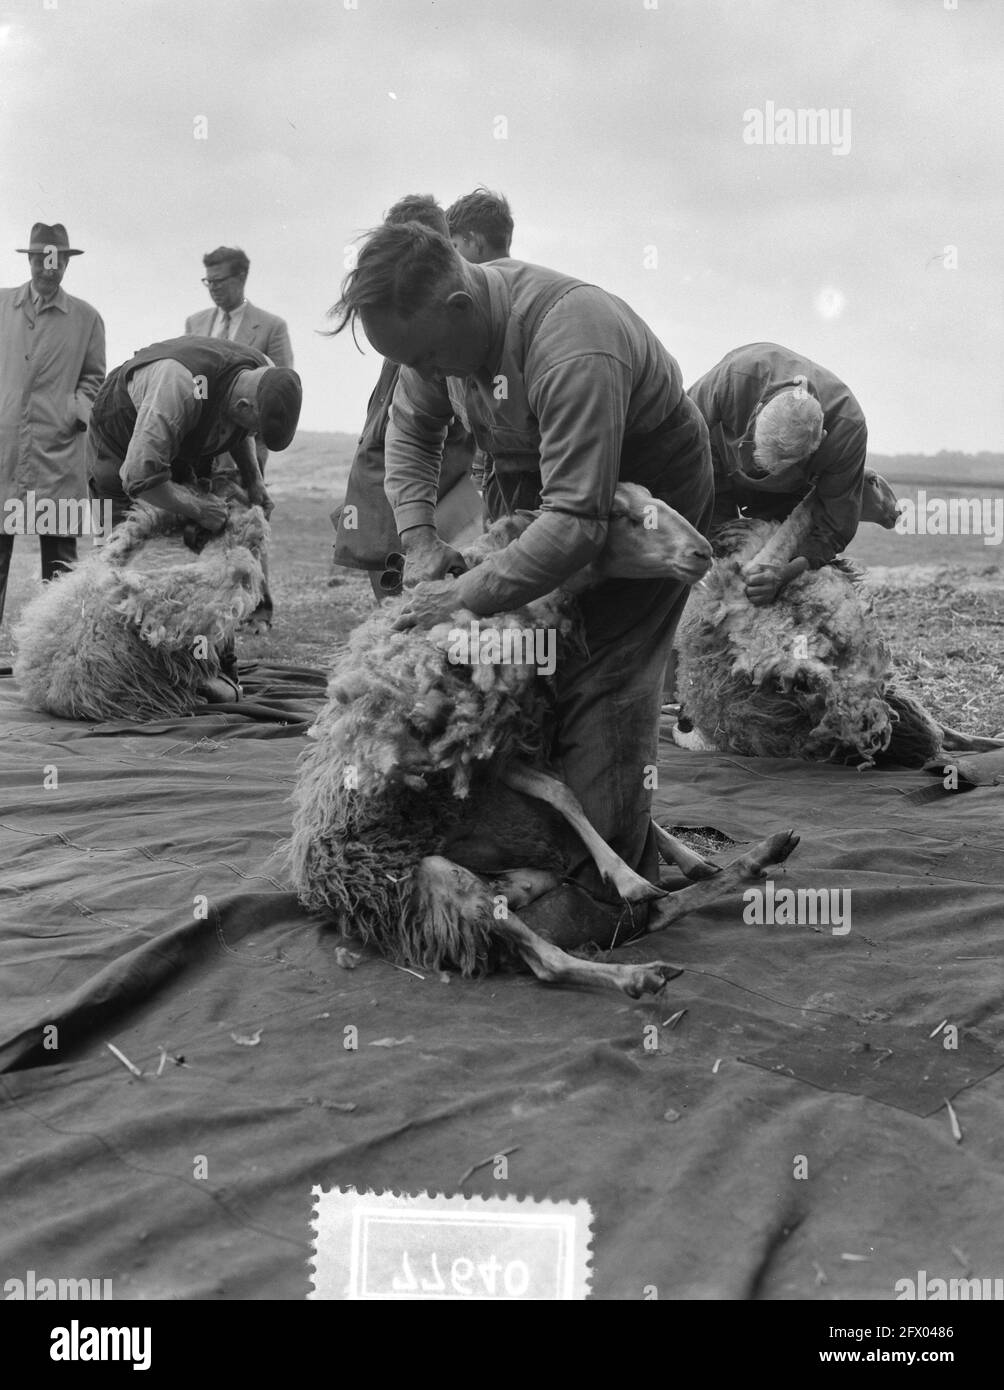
608,699
58,553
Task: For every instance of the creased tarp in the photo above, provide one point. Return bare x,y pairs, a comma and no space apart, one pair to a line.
101,897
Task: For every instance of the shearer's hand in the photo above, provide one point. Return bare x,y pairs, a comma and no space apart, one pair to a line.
427,557
763,584
429,603
258,497
211,513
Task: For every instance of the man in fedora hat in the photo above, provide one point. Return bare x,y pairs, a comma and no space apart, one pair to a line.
161,419
52,362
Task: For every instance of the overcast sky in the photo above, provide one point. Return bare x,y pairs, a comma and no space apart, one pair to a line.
625,128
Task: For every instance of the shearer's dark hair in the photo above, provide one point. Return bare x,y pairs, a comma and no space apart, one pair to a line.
485,212
228,255
399,269
418,207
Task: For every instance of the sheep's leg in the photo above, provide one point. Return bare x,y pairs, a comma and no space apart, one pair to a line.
954,742
774,850
674,851
532,782
554,966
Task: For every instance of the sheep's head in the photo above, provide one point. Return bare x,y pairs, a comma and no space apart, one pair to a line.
878,501
647,539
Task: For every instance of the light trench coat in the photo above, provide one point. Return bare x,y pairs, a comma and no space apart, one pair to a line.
51,366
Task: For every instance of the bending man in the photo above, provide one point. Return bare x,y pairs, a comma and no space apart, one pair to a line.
568,393
782,426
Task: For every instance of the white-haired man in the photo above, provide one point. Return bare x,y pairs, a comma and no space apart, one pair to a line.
781,426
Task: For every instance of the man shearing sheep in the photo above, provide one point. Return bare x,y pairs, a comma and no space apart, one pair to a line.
161,418
782,426
568,392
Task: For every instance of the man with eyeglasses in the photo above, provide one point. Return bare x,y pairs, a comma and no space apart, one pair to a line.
232,316
235,319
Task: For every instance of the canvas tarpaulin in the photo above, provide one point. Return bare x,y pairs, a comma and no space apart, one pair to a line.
785,1139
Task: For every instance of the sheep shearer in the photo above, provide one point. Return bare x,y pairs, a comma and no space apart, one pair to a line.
364,523
780,426
568,392
52,362
162,417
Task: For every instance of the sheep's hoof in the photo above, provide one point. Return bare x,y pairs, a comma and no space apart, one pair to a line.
632,887
647,979
774,850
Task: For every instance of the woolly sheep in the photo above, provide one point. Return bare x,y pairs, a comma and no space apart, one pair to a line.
414,785
808,676
117,637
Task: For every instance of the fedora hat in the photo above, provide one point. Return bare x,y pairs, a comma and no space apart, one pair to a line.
280,396
44,238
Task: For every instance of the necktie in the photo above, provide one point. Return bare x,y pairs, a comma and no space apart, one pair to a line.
226,325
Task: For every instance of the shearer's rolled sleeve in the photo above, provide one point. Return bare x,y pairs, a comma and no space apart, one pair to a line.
581,405
167,408
836,509
420,415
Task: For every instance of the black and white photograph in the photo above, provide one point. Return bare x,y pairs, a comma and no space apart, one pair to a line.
502,665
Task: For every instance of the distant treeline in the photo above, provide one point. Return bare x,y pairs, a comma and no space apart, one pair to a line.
947,467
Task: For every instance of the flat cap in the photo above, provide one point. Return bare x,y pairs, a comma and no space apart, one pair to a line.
280,396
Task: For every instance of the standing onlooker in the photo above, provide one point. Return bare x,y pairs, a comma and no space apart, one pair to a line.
480,226
364,522
237,320
233,317
52,362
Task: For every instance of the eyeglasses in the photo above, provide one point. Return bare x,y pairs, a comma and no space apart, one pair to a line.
222,280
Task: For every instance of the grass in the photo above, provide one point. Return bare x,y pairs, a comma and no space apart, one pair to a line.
939,600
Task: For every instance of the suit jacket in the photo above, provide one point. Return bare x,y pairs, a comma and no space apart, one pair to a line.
259,329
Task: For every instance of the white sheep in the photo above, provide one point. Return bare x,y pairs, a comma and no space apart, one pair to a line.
419,779
808,676
131,631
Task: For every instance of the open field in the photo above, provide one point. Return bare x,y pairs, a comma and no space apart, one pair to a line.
939,599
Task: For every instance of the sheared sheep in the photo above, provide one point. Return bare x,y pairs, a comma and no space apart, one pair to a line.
419,781
809,676
131,631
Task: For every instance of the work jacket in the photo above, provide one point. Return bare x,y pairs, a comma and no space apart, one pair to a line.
578,395
731,396
52,362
